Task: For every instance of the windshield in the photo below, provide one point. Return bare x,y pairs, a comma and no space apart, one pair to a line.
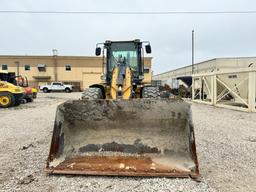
125,53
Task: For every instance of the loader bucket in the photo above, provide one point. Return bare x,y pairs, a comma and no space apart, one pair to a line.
140,137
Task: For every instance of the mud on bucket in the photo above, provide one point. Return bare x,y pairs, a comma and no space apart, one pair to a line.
140,137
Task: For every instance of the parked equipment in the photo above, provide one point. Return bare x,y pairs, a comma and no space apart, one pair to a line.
22,81
10,95
121,126
30,92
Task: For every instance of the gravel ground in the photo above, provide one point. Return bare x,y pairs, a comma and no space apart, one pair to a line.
226,146
226,143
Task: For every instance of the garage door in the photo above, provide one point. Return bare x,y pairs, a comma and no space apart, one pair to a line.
90,78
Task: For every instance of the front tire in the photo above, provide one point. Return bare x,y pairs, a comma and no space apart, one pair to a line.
150,92
67,90
92,93
6,100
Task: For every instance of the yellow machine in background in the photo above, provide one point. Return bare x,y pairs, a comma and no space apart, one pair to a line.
10,95
22,81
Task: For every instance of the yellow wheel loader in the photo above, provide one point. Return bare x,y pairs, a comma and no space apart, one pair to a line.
10,95
121,126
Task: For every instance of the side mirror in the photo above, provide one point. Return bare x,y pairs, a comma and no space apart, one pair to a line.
98,51
148,48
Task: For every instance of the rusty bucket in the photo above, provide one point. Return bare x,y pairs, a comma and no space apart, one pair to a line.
139,137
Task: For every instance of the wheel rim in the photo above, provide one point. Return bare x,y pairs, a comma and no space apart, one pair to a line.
4,100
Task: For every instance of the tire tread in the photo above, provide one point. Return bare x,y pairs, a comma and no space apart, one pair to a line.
92,93
150,92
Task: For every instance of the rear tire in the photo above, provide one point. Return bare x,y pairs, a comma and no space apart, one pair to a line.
34,95
150,92
92,93
6,100
23,101
30,99
17,103
45,90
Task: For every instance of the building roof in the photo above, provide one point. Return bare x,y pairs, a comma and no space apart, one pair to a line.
51,56
204,62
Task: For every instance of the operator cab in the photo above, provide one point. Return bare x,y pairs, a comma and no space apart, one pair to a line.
124,53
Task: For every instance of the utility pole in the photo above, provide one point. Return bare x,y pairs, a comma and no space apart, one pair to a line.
55,60
192,51
18,67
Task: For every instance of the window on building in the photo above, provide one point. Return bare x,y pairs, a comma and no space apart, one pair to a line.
41,67
4,67
146,70
68,67
27,67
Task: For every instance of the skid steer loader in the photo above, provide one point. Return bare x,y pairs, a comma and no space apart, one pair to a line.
121,126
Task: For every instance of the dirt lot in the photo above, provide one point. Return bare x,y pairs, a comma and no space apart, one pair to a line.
226,143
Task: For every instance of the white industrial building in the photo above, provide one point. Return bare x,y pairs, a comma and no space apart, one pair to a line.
213,65
222,82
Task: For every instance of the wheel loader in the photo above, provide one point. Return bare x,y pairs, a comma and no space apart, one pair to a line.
120,126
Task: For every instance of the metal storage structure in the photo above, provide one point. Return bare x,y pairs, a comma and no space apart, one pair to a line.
233,89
